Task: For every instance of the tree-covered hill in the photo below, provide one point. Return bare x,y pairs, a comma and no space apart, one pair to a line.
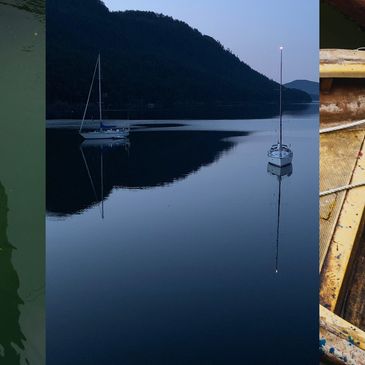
152,66
310,87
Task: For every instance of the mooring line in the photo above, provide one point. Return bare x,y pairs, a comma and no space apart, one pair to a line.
337,128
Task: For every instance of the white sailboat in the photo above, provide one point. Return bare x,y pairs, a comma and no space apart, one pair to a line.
104,132
280,154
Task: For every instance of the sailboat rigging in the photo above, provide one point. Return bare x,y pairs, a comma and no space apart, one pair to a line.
104,132
280,154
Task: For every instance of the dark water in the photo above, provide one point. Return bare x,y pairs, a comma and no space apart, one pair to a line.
181,269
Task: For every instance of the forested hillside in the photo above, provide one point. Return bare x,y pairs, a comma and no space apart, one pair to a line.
152,66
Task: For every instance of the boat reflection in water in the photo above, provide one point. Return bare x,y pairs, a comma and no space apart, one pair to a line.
101,146
145,160
279,172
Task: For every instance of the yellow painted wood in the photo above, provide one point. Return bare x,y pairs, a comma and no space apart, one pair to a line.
342,71
342,63
340,341
347,230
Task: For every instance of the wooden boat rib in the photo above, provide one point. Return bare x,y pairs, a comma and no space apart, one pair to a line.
338,63
342,162
342,85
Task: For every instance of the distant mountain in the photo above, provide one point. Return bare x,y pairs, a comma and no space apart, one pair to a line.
310,87
152,66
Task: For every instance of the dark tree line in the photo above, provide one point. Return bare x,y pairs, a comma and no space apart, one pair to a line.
151,64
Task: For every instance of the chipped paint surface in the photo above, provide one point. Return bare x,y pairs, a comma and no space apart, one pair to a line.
339,341
345,100
354,308
341,328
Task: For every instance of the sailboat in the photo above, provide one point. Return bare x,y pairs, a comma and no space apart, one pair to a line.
280,154
280,172
104,131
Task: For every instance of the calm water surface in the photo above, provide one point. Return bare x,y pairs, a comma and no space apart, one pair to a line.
164,252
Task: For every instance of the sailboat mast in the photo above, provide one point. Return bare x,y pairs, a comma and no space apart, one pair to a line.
281,110
100,113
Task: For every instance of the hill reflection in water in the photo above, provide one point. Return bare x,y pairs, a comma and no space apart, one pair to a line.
152,159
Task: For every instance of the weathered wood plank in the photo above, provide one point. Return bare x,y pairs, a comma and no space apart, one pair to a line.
343,101
342,63
339,152
344,239
340,341
354,306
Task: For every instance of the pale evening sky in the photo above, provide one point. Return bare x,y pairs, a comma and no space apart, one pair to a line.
253,30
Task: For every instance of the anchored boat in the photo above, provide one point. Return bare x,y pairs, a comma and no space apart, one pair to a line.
104,131
280,154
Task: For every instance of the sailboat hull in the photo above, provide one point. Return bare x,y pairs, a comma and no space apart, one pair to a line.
280,155
107,134
280,161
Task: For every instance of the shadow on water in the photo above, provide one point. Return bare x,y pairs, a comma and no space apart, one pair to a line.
11,336
153,159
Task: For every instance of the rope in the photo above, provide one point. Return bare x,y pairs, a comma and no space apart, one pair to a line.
341,188
88,97
343,126
333,129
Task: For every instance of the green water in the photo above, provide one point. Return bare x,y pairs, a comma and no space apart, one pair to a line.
22,248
